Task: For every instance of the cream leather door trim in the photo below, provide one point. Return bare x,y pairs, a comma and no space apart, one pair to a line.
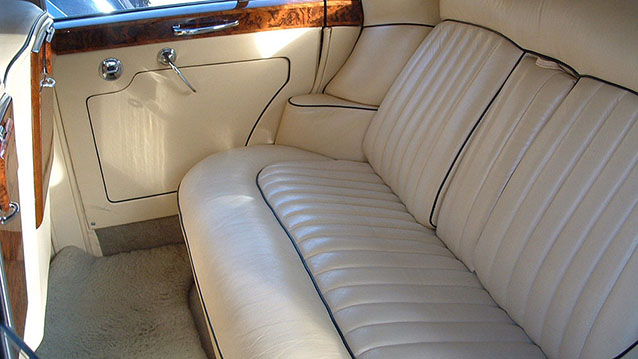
326,125
78,79
168,129
337,46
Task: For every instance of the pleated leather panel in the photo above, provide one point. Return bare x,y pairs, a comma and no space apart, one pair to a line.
394,289
529,98
559,249
432,107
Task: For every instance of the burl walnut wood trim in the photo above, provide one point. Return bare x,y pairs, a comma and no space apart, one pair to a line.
7,124
11,241
42,127
344,13
38,68
254,17
4,187
13,257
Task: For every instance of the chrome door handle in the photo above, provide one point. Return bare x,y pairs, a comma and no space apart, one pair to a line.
178,31
166,56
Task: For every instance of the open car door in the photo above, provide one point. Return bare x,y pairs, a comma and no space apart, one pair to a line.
26,135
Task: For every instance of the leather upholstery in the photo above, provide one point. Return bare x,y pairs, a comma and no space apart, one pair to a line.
524,106
432,107
368,73
337,44
379,12
594,37
393,288
326,125
540,204
254,287
559,250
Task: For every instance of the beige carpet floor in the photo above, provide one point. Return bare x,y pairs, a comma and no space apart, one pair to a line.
129,305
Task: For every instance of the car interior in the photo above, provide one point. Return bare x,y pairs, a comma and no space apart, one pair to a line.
270,179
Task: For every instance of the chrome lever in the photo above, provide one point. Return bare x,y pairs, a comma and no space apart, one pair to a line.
167,56
178,31
14,208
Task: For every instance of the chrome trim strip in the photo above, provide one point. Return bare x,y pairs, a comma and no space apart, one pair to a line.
184,9
44,33
24,46
5,101
179,31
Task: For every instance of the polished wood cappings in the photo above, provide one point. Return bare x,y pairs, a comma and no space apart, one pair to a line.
13,258
253,16
344,13
42,126
10,232
6,134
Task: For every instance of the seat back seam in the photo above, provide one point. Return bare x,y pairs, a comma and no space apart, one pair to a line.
467,139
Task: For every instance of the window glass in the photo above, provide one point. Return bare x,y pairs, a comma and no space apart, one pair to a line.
65,9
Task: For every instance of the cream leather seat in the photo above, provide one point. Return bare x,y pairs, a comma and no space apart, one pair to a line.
392,286
495,217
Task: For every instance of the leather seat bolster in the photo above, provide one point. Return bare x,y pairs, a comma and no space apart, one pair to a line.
254,286
366,82
326,125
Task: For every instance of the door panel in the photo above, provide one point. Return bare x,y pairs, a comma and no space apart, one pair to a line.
25,25
151,133
78,80
131,140
11,230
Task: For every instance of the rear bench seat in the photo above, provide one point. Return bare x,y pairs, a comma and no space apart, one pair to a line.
495,217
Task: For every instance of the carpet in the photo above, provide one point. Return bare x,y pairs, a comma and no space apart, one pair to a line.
129,305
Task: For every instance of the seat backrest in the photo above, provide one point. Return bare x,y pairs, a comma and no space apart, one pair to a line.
432,107
558,251
548,214
596,38
529,98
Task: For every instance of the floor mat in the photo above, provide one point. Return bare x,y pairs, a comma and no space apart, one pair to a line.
130,305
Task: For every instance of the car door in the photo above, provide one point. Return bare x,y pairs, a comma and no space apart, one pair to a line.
145,94
26,135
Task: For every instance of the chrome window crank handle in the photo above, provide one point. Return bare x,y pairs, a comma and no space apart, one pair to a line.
167,56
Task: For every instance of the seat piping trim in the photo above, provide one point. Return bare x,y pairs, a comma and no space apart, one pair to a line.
303,261
332,106
626,351
199,291
399,24
569,69
467,139
250,135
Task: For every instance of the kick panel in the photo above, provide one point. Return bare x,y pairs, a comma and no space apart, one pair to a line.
148,135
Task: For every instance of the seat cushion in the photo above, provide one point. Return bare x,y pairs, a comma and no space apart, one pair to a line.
256,293
394,289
